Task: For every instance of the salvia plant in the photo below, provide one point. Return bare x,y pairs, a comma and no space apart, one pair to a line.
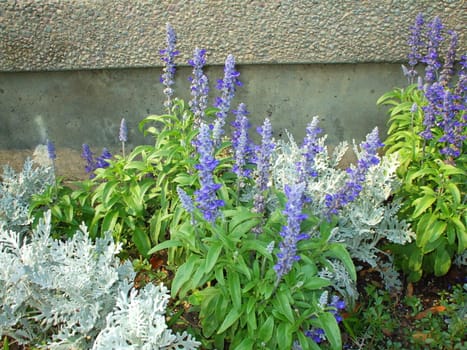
76,294
427,131
261,238
362,205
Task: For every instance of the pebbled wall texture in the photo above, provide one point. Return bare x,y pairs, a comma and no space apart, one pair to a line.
49,35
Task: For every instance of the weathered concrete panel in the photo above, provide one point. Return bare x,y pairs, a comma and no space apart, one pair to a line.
75,107
84,34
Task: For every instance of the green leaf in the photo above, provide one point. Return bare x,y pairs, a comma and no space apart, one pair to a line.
283,305
449,170
437,230
266,330
331,329
212,256
424,228
338,251
442,262
422,204
316,283
455,193
415,259
234,288
246,344
141,240
233,315
110,219
284,335
184,274
165,245
6,343
108,192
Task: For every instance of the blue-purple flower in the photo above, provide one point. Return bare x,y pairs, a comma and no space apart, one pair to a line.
103,160
206,198
123,132
88,157
449,60
291,233
416,44
461,86
434,93
263,165
168,57
199,85
356,175
310,149
453,127
51,150
227,88
431,58
93,164
241,143
187,202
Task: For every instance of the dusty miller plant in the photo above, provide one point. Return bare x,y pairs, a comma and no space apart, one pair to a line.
67,294
364,223
16,190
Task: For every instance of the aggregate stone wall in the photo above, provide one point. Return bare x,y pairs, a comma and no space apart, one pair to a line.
85,34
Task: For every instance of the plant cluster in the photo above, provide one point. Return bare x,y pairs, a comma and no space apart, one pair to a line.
427,130
77,295
260,239
382,322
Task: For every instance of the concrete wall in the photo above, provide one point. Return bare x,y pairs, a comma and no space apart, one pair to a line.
73,107
70,70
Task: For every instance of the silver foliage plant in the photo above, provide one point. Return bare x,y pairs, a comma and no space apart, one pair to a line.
76,294
363,223
16,190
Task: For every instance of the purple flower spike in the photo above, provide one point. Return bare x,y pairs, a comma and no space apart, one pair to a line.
431,58
435,95
448,68
51,150
310,149
199,85
263,165
453,127
241,143
461,87
123,133
227,89
88,156
357,175
206,198
290,233
168,57
416,45
186,201
102,160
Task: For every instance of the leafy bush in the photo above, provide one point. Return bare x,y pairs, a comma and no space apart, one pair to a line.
69,294
363,224
428,133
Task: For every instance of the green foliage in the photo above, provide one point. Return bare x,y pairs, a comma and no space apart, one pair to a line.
227,275
434,187
385,322
135,196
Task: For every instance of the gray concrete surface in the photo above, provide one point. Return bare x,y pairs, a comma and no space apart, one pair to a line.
84,34
75,107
